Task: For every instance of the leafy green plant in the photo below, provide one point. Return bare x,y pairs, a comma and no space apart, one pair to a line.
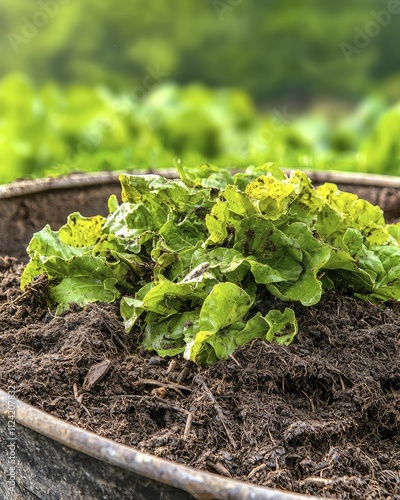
193,260
55,131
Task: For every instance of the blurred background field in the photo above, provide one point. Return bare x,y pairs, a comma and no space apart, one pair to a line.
143,84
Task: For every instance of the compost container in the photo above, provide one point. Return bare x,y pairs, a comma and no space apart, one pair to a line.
54,459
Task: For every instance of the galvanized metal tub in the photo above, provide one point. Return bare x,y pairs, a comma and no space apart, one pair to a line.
51,459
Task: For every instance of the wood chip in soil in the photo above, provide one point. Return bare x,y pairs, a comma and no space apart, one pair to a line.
319,417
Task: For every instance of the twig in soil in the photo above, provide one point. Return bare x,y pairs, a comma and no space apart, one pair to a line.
273,440
316,481
218,409
235,360
114,336
171,366
35,286
256,469
79,398
164,403
168,385
339,373
310,401
182,376
20,297
342,383
218,467
188,426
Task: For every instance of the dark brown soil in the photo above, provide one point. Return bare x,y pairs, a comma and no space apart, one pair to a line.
318,417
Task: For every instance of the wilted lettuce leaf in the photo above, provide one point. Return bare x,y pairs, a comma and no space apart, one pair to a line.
242,179
208,176
209,346
271,196
168,336
275,326
191,258
81,231
70,241
167,298
80,287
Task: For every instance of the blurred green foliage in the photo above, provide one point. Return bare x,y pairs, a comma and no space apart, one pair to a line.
99,92
270,48
49,130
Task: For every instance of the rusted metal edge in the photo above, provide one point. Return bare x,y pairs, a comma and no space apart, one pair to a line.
353,178
201,485
25,187
31,186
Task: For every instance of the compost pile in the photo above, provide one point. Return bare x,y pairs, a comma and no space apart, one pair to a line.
320,416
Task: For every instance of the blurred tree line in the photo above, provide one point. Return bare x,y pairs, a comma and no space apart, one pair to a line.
271,48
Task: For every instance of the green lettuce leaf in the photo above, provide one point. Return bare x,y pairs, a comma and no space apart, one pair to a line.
75,238
81,288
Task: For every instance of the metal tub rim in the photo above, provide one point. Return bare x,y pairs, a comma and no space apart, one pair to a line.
76,180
